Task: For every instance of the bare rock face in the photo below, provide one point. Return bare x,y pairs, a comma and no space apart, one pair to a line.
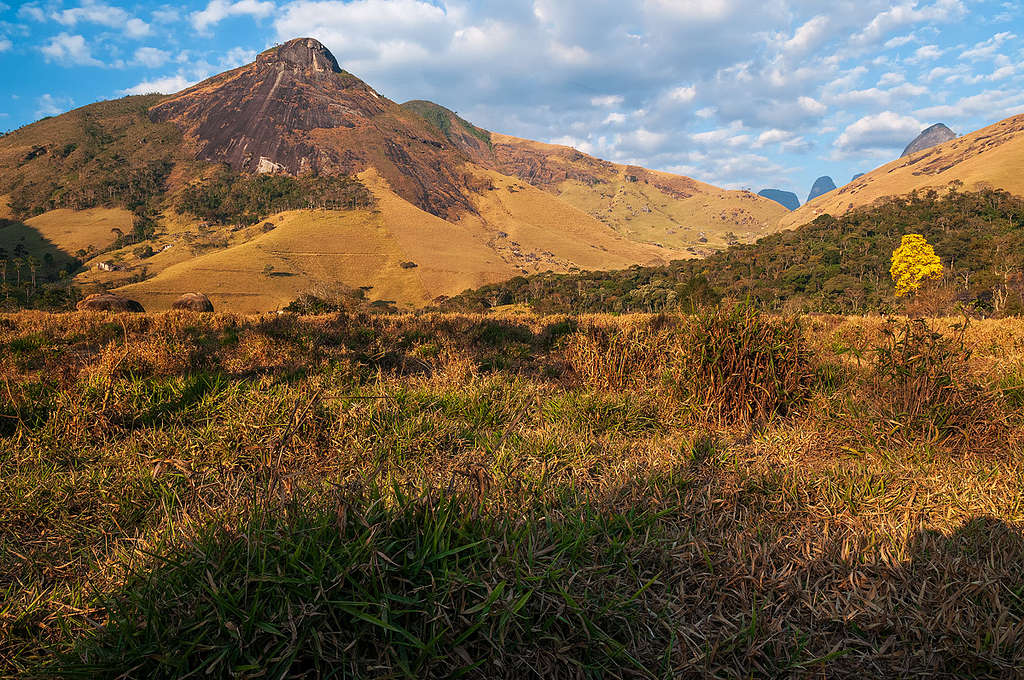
295,111
193,302
822,185
787,199
108,302
929,137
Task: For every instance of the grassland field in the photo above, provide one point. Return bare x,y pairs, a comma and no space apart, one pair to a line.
725,494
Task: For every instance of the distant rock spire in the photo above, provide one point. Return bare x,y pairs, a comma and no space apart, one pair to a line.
822,185
929,137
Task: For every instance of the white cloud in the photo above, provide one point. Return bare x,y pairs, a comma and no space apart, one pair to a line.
165,85
218,10
69,50
48,105
151,57
992,104
682,95
808,36
926,53
31,13
607,101
166,15
988,48
886,130
104,15
907,13
5,44
615,119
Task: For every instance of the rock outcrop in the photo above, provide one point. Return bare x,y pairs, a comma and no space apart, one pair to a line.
929,137
108,302
822,185
295,111
787,199
193,302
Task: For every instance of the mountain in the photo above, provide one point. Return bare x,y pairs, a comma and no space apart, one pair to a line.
291,174
992,157
857,176
786,199
929,137
821,186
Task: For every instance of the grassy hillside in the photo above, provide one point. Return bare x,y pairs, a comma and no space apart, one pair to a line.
992,157
833,265
641,205
397,496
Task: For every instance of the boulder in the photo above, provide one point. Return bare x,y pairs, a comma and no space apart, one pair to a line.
195,302
108,302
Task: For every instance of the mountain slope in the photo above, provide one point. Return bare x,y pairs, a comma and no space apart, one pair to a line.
990,157
350,187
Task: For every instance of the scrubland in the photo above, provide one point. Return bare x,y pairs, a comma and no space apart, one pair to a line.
724,494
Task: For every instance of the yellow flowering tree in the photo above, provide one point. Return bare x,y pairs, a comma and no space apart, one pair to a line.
914,262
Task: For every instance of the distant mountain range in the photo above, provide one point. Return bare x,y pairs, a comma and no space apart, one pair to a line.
786,199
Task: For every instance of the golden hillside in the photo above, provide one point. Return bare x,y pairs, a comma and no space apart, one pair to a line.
640,204
396,252
992,157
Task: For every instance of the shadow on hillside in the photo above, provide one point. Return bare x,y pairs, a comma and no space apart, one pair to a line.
563,589
19,240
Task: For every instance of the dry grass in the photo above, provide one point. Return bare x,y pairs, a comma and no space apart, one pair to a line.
498,497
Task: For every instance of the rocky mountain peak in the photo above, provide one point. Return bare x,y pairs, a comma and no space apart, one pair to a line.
929,137
305,54
822,185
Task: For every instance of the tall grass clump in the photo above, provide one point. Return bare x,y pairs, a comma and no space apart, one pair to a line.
922,385
619,355
738,365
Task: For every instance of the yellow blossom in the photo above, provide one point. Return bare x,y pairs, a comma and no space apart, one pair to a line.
913,262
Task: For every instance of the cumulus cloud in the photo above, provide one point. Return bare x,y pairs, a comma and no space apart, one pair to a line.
69,50
165,85
994,104
881,131
50,105
219,10
987,49
151,57
103,15
608,100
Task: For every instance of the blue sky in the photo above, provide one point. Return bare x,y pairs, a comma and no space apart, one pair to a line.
739,93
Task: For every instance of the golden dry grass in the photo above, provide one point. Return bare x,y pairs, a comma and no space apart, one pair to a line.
74,230
491,484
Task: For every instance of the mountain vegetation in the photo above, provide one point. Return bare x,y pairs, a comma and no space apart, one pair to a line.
834,264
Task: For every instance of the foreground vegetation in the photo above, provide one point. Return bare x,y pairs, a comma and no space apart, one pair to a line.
833,265
724,495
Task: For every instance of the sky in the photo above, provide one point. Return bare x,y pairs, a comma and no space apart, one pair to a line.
738,93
